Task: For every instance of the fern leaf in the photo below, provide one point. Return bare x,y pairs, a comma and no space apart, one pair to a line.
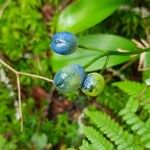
132,106
113,130
137,125
146,101
86,146
98,141
146,106
130,87
147,93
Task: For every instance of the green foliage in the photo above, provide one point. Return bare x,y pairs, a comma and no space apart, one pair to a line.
128,114
22,33
130,87
4,144
112,130
97,140
120,135
36,133
25,40
116,102
123,120
74,18
97,42
86,145
64,128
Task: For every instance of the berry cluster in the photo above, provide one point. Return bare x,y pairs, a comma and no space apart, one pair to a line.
70,78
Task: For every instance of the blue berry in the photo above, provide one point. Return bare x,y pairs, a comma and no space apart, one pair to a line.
93,84
69,78
64,43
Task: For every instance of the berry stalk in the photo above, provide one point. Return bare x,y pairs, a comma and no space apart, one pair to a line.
121,53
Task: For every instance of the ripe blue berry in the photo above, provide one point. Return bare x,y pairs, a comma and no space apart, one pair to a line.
69,78
64,43
93,84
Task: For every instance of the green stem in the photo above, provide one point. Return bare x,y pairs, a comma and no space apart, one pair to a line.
105,64
95,59
121,53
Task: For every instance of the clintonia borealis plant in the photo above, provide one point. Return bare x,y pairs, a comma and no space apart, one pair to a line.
73,77
118,122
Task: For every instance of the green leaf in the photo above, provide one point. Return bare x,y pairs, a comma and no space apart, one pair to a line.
130,87
96,138
113,130
104,42
86,146
83,14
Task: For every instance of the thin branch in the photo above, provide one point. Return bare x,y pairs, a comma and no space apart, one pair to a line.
17,73
19,101
24,73
9,67
35,76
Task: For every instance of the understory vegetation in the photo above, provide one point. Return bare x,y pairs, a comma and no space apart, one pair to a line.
118,118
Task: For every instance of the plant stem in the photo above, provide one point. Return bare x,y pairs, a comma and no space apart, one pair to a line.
95,59
35,76
18,73
19,101
7,66
121,53
105,64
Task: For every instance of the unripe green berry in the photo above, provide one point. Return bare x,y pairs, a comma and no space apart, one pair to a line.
93,84
69,78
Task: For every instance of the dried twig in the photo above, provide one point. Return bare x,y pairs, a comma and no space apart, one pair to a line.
18,73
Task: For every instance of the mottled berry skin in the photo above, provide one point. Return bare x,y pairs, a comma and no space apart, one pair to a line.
64,43
93,84
69,78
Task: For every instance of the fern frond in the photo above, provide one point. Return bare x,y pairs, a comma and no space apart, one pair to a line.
112,130
146,106
137,125
146,100
130,87
132,106
86,146
147,93
98,141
